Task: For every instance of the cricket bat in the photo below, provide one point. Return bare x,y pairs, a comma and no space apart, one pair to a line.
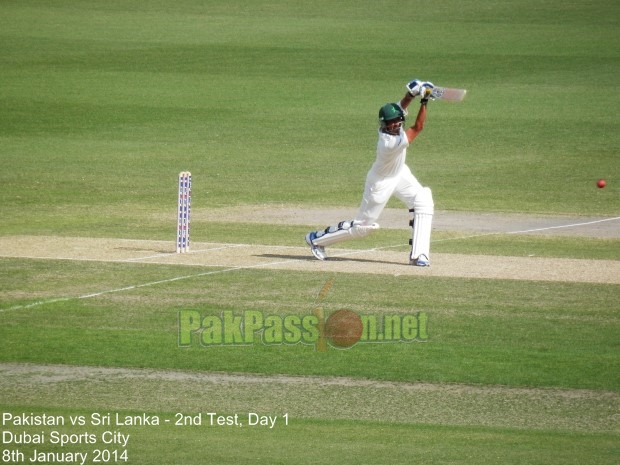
448,93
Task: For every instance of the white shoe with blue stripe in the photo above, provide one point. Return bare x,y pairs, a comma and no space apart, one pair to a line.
422,260
317,251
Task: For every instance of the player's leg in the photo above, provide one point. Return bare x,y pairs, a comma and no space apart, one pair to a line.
419,199
376,194
343,231
421,224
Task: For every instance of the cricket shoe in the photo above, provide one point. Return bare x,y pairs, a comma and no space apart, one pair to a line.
317,250
422,260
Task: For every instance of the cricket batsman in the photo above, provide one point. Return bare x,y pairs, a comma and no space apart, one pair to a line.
389,175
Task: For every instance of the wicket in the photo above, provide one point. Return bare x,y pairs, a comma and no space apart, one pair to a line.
184,209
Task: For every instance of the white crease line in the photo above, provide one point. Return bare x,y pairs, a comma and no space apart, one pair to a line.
563,226
173,254
153,283
509,232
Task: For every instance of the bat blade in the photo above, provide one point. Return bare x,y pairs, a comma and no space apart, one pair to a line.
449,94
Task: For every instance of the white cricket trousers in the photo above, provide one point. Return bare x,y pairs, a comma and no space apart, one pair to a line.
378,191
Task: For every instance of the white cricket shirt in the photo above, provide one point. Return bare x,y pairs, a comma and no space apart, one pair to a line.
391,153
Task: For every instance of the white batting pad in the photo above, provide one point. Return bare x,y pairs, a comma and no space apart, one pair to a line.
423,210
343,231
421,236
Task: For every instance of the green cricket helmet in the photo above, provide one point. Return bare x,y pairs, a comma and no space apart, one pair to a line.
390,112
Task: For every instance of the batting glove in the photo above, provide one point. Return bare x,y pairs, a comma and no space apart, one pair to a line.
414,87
426,92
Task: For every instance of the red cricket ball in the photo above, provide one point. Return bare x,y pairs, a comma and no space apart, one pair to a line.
601,183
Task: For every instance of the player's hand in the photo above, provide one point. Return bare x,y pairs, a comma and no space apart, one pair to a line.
426,91
414,87
427,87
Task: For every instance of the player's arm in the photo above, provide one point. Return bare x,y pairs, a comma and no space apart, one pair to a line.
414,87
418,125
422,89
406,100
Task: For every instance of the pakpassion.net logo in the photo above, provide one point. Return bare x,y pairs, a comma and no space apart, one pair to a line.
342,329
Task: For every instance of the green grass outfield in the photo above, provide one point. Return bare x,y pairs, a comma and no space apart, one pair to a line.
102,103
